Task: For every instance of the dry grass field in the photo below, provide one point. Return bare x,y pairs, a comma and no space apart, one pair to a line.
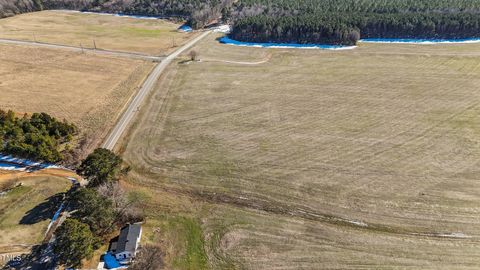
26,211
361,159
88,90
154,37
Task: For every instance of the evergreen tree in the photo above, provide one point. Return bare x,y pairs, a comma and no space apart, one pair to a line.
94,210
73,242
100,167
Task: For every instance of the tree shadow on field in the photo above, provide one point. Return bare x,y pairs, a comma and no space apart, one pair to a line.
43,211
32,260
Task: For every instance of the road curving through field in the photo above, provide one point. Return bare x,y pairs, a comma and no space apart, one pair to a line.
146,88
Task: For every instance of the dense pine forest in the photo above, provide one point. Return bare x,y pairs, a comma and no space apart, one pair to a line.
36,137
345,21
13,7
303,21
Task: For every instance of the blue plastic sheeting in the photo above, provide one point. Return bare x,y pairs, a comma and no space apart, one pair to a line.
55,216
110,261
138,16
185,28
227,40
25,162
419,40
123,15
11,167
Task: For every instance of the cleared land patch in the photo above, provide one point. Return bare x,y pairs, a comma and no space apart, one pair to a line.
317,159
154,37
87,90
25,211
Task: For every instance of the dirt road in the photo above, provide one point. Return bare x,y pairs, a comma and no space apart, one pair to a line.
80,49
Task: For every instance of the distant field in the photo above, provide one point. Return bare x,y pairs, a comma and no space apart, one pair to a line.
88,90
314,159
26,211
155,37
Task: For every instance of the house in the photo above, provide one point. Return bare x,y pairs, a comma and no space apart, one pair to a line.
125,248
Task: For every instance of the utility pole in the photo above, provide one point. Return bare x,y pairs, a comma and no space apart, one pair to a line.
83,52
34,38
94,44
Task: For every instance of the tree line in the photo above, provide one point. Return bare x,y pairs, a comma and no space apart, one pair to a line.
198,12
36,137
97,210
13,7
302,21
345,21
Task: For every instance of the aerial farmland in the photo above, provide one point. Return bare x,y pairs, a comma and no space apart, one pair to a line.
46,79
143,36
240,135
302,157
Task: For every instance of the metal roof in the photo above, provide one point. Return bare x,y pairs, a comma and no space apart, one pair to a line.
127,240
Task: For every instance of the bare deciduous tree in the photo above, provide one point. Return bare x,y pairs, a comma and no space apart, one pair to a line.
150,257
115,193
126,205
193,55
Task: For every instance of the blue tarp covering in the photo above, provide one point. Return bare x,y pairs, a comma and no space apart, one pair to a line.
10,166
24,162
121,15
227,40
419,40
137,16
57,214
110,261
55,217
185,28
